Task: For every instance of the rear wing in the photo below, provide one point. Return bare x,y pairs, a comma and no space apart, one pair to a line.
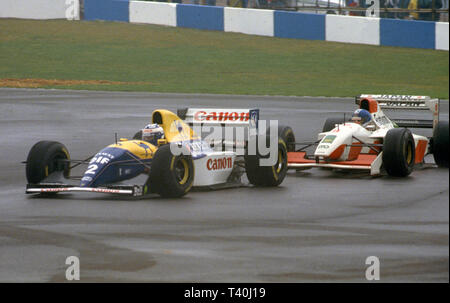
247,119
407,102
222,117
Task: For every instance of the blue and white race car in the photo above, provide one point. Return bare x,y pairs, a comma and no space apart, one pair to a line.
171,167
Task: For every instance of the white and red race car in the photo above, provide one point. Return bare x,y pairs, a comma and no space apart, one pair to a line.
383,145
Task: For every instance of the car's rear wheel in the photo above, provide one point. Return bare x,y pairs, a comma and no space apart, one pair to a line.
171,176
270,175
45,158
287,134
440,144
330,123
399,152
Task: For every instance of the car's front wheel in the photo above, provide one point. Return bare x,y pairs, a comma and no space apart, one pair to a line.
45,158
440,144
171,176
399,152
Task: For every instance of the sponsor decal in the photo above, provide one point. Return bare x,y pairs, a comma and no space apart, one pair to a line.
323,146
178,126
403,103
139,191
52,190
108,155
99,159
105,190
396,97
328,139
144,146
383,120
198,146
218,164
254,115
221,116
87,179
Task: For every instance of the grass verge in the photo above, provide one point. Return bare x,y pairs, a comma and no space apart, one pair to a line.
134,57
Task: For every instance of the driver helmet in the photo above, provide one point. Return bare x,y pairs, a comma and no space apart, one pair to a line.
152,133
362,116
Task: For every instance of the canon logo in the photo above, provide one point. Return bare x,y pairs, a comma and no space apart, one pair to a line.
216,164
221,116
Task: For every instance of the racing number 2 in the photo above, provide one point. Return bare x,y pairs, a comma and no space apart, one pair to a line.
91,169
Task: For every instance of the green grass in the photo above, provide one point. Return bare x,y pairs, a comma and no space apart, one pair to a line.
165,59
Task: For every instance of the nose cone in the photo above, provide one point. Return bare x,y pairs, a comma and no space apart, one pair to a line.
332,146
97,171
110,165
325,147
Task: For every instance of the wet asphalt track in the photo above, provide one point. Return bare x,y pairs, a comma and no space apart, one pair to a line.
319,226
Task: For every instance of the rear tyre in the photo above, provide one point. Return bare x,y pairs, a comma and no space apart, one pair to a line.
138,135
286,133
440,144
171,176
44,159
269,176
330,123
399,152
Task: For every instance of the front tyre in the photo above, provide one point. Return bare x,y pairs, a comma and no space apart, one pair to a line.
399,152
171,176
45,158
440,144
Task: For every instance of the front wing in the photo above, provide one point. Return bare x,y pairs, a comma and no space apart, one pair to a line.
46,188
368,162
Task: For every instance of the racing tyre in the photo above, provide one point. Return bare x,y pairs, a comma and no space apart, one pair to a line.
270,175
330,123
440,144
399,152
286,133
171,176
44,159
138,135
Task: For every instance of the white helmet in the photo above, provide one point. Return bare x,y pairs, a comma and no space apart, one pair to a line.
152,133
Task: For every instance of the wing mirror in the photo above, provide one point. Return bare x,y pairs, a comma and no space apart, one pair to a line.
371,127
162,142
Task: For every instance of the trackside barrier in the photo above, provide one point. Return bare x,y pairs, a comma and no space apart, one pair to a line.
352,29
249,21
153,13
297,25
40,9
441,36
418,34
109,10
200,17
